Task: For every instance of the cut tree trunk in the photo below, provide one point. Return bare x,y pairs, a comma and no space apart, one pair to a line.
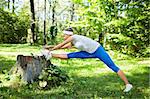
30,67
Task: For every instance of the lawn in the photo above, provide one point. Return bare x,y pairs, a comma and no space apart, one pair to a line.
90,78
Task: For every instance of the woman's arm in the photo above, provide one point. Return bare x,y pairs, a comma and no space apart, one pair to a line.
48,47
68,45
63,43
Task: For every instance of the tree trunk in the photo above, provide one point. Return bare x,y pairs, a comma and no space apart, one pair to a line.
30,67
44,35
102,39
9,4
37,25
53,12
13,6
33,20
53,28
72,12
104,42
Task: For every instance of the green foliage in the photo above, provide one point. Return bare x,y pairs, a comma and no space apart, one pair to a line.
91,18
13,27
134,26
6,63
127,45
3,3
90,78
127,18
52,77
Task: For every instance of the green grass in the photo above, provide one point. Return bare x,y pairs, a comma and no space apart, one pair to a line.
90,78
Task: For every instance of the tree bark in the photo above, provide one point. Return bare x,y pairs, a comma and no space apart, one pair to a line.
33,20
9,4
37,25
44,34
100,38
53,12
29,67
72,12
13,6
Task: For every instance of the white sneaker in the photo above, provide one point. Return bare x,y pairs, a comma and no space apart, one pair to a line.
128,87
46,53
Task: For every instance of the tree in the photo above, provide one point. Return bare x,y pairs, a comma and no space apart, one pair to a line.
13,6
131,28
13,27
44,35
72,11
53,27
8,4
53,12
32,20
125,22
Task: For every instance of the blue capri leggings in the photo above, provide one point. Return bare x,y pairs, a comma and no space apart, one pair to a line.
99,53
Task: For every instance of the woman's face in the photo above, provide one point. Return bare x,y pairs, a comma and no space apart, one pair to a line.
66,36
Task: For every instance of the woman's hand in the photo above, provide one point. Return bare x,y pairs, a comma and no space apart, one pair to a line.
63,43
48,47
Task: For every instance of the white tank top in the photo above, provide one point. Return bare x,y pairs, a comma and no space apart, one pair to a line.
85,44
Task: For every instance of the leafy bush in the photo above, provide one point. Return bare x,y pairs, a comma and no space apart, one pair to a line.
13,27
51,77
128,18
127,45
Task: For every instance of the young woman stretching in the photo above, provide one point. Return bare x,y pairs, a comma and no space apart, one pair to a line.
88,49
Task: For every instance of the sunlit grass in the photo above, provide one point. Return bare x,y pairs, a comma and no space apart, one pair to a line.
15,49
90,78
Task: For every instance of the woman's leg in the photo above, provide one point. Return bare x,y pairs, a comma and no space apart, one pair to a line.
61,56
81,54
103,56
122,76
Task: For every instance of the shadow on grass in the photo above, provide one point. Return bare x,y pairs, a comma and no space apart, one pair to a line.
110,85
6,64
106,86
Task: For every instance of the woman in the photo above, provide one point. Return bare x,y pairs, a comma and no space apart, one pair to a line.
89,49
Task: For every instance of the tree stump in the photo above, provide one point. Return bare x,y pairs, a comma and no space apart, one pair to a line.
37,69
30,67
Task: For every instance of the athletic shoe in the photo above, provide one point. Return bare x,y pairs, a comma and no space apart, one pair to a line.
46,53
128,87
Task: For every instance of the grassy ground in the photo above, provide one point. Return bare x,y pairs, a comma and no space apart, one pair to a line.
90,78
